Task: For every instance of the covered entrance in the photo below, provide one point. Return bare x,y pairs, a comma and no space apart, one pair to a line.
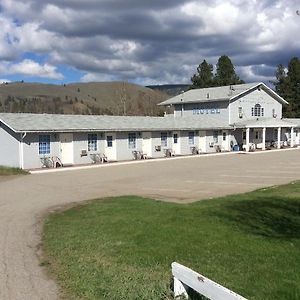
147,144
176,142
267,134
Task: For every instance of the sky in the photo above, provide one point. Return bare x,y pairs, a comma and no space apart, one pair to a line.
144,41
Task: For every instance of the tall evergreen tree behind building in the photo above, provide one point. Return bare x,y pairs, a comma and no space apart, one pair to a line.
204,76
225,74
287,85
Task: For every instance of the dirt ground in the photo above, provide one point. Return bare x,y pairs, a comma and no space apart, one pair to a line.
25,199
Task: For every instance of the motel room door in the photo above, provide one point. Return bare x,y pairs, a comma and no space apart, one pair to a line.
66,148
225,139
147,143
202,141
176,142
110,146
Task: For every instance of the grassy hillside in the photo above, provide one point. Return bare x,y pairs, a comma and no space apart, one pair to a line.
112,98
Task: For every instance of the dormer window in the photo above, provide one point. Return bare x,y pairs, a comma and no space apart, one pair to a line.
257,111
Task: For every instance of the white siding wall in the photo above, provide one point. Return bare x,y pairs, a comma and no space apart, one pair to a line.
185,147
156,141
9,147
248,101
210,142
81,143
204,110
32,159
123,150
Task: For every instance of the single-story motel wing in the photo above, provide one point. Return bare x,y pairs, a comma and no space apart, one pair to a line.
230,118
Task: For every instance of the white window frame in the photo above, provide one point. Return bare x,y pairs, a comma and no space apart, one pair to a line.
132,140
191,137
92,142
164,139
44,144
224,136
109,141
175,138
257,111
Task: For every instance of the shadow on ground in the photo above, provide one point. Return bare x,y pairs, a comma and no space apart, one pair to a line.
269,217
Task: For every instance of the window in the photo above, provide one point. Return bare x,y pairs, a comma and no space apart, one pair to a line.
164,139
240,111
257,111
175,138
92,142
215,136
224,136
132,140
191,137
109,141
44,144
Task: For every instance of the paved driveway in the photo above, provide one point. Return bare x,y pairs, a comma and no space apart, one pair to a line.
24,200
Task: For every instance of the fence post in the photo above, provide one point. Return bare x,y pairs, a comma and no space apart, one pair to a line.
179,289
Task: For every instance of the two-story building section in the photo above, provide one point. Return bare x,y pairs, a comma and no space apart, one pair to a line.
253,111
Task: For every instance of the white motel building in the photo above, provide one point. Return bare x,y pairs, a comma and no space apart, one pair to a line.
245,117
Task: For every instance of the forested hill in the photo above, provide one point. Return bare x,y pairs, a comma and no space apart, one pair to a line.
111,98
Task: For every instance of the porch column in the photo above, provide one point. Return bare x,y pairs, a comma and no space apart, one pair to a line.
247,139
278,137
292,137
264,138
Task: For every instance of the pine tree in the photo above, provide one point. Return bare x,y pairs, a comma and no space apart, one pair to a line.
287,85
280,82
204,76
225,74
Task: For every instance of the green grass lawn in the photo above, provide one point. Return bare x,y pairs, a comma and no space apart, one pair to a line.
5,171
122,248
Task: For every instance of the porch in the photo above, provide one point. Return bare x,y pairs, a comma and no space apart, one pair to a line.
267,134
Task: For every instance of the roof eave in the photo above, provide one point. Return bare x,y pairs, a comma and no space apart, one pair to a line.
195,101
266,88
11,128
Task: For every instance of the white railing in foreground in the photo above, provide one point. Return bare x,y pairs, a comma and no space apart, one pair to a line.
184,276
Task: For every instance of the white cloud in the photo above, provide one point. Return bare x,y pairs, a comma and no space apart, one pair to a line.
145,41
96,77
28,67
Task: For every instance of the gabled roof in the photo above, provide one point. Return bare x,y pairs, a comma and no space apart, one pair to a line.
222,93
25,122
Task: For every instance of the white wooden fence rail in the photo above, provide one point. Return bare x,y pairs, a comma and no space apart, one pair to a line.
184,276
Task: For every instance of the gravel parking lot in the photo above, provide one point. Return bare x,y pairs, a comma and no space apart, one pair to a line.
24,200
